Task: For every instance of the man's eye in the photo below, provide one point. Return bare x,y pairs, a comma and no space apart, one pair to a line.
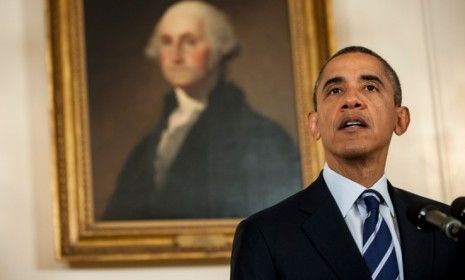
165,41
371,88
334,91
190,41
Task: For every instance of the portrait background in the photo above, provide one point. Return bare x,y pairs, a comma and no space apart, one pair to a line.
126,88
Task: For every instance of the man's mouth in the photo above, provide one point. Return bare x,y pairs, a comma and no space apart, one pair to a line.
352,122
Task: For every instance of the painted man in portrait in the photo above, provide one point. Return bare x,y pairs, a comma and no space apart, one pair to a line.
210,155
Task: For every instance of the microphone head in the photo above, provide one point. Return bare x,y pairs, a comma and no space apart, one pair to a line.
457,208
416,214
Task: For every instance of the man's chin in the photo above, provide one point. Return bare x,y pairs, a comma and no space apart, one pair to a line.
181,81
354,153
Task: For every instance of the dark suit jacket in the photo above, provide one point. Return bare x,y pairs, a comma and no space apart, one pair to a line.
233,162
306,237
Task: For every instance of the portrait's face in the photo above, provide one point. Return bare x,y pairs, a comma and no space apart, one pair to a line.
356,114
184,51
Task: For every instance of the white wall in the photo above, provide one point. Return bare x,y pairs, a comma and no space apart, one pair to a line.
422,39
424,42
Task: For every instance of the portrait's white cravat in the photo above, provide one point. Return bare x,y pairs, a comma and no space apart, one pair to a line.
180,122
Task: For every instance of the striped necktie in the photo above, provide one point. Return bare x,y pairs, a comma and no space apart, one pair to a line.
378,247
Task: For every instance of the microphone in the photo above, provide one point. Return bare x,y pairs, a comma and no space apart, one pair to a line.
457,208
427,217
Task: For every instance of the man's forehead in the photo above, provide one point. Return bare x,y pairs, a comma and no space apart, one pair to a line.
181,22
353,65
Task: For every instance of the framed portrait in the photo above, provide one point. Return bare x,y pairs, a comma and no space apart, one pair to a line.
163,142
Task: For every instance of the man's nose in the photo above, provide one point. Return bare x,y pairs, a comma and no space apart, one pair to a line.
352,100
176,53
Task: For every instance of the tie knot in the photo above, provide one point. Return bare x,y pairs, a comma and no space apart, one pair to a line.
372,199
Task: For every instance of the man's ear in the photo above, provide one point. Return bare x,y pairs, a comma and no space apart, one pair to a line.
313,125
403,120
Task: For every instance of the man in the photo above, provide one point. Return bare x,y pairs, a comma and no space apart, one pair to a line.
211,155
351,222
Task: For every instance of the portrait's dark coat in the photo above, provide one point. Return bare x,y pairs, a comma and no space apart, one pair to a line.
233,163
306,237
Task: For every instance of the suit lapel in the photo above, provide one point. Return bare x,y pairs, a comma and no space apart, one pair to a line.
417,246
329,234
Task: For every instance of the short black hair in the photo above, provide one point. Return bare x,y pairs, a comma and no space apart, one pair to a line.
392,75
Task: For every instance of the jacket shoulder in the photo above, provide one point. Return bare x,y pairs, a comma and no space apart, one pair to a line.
410,198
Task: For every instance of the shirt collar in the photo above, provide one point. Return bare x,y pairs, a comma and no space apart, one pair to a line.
346,191
187,103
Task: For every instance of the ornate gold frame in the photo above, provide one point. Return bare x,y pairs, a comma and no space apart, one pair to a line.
79,239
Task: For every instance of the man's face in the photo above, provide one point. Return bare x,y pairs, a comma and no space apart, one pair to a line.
184,51
356,114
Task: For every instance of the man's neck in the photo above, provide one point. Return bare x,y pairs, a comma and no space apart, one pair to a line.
365,171
202,90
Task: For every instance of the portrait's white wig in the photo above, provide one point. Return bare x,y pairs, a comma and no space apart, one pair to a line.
218,30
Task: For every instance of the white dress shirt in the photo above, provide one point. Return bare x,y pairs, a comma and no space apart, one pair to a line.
172,137
346,193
